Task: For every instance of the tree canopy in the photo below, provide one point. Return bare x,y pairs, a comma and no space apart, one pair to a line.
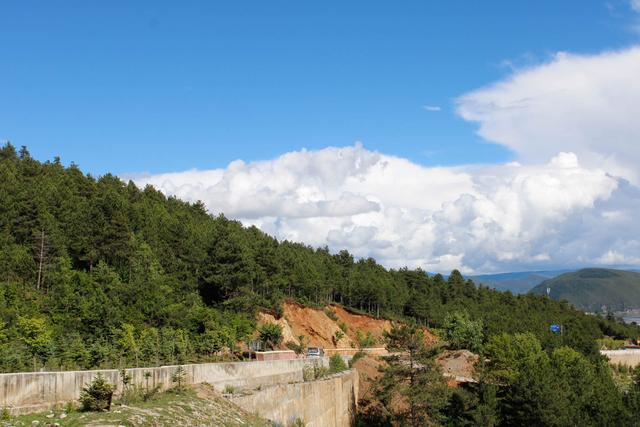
96,272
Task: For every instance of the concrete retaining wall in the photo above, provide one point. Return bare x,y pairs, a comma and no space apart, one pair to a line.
348,351
36,391
329,402
277,355
626,357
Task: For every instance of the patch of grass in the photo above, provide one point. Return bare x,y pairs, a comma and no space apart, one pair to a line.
167,409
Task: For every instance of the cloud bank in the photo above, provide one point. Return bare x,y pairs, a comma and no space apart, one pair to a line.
489,218
585,104
570,200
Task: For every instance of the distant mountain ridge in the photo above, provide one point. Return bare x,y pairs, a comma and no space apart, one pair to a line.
517,282
594,289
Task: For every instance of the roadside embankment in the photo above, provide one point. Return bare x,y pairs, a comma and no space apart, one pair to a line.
328,402
36,391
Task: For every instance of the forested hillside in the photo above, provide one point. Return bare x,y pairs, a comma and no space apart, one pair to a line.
96,272
595,289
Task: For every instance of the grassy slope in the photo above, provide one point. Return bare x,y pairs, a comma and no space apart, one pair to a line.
591,288
189,408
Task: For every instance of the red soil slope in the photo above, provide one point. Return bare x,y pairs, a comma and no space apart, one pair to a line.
320,330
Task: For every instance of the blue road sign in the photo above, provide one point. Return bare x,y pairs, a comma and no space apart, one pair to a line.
555,328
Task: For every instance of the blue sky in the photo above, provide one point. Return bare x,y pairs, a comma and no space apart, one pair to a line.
486,136
156,86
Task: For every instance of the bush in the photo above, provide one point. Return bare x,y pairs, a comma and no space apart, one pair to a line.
298,423
331,314
359,355
69,407
297,348
97,397
342,325
367,340
271,335
337,364
313,372
5,415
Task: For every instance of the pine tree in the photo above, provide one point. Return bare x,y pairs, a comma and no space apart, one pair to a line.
412,387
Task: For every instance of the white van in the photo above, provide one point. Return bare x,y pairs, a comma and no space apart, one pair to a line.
314,352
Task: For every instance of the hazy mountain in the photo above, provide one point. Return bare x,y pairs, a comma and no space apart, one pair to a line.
592,288
516,282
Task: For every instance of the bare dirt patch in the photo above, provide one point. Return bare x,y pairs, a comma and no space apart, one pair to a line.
320,330
363,323
368,372
315,325
458,364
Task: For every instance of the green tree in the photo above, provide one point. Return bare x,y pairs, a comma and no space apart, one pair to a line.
126,339
150,346
461,332
36,334
271,335
76,352
411,386
179,378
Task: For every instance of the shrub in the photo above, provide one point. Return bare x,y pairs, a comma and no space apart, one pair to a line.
337,364
69,407
297,348
331,314
357,356
5,415
97,397
337,337
229,389
367,340
271,335
313,372
342,325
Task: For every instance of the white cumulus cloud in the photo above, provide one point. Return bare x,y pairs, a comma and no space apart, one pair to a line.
478,218
585,104
569,200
